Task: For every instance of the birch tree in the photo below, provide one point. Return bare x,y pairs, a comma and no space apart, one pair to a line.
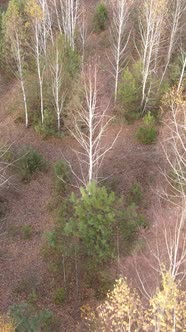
175,151
151,20
90,125
67,12
175,26
57,79
14,36
119,37
37,19
83,32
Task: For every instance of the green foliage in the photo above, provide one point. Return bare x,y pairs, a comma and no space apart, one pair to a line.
100,17
59,295
135,194
29,162
130,92
61,175
92,222
147,134
29,318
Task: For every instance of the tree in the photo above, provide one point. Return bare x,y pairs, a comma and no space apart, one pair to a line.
15,36
37,20
57,72
122,310
167,310
89,129
151,23
93,222
119,37
175,25
67,12
175,152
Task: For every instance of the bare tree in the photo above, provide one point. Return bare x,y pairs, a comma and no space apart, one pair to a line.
56,70
38,13
173,253
175,25
83,31
67,12
119,37
151,21
14,30
175,152
90,125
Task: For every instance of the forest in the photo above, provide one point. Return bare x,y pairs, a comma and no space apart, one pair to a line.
92,165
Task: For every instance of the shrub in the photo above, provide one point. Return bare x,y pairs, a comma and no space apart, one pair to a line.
59,296
147,134
61,175
100,17
30,162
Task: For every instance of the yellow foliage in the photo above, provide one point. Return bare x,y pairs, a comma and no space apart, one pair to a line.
120,312
173,99
34,10
167,310
123,310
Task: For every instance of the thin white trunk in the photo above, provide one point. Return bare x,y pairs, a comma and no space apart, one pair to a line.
57,76
39,70
20,70
119,38
150,26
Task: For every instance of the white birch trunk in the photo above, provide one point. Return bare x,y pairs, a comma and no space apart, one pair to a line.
20,70
119,38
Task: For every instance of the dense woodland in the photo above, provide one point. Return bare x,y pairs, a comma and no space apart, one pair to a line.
93,165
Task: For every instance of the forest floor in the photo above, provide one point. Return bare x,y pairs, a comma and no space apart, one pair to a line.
21,261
